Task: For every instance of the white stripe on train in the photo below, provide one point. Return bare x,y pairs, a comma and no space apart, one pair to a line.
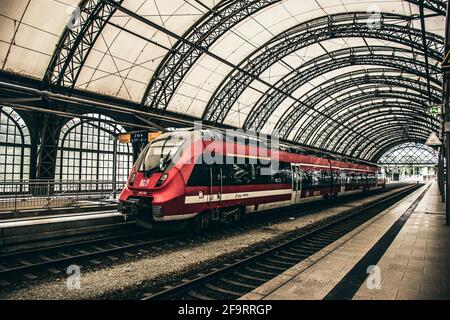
236,196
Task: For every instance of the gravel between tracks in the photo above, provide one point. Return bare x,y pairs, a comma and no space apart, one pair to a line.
122,276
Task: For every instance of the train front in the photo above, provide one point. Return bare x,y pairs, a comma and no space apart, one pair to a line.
155,190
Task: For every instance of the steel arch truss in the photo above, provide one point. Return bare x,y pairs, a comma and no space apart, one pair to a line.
303,35
403,123
358,113
416,137
287,123
182,57
76,43
361,100
437,6
386,133
326,139
381,128
309,125
427,154
389,134
321,93
264,108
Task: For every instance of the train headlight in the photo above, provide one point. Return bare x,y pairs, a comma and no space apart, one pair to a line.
162,180
132,179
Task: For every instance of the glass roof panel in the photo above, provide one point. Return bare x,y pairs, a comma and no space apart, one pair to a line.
410,153
28,36
128,52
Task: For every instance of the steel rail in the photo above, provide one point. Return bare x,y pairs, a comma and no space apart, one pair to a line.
209,281
37,259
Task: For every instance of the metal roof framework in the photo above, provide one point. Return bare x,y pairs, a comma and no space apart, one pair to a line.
337,89
401,60
349,77
410,154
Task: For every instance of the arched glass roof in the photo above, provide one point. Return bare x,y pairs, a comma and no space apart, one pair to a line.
346,75
410,153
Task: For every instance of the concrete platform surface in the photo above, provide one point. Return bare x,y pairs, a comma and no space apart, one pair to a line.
416,264
29,233
20,222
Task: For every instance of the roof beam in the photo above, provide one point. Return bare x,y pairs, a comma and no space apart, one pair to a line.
425,47
76,43
359,112
132,14
286,124
85,102
303,35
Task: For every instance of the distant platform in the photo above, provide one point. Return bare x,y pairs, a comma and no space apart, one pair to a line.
42,231
401,254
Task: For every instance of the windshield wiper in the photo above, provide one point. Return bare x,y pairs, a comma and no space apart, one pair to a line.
161,167
165,162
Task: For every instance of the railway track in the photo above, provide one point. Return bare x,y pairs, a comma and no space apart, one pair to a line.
33,263
241,277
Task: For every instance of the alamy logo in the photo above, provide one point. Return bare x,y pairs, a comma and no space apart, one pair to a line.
374,21
74,15
374,278
74,279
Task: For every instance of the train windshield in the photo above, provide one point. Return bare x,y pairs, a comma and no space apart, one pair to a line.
160,154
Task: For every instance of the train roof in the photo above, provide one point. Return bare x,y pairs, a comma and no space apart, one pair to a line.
254,139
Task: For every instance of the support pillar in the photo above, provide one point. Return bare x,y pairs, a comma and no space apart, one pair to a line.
48,146
446,111
440,173
447,176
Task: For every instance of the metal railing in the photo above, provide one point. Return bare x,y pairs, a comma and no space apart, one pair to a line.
20,195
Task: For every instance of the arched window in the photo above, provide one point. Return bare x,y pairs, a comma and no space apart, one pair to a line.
88,151
410,162
14,146
410,154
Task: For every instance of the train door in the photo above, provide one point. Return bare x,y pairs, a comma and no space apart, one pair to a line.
343,178
216,186
296,184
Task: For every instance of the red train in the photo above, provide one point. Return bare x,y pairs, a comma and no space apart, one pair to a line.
200,176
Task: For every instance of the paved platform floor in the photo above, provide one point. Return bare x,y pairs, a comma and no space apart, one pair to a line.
416,265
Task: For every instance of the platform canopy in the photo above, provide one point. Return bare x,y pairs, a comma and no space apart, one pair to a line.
355,77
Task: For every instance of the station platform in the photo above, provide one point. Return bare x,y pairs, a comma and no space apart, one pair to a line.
401,254
41,231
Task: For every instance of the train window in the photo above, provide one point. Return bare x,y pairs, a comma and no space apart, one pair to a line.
283,175
306,179
200,176
316,177
325,178
227,175
160,153
360,178
243,174
141,157
337,177
262,174
351,178
372,179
